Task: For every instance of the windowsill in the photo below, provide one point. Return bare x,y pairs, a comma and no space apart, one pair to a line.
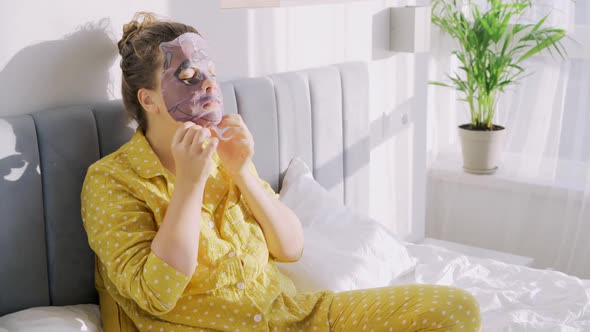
518,173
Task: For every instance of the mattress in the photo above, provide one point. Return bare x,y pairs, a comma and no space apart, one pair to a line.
511,297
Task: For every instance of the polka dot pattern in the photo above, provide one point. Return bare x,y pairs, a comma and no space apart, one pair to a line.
405,308
124,200
236,285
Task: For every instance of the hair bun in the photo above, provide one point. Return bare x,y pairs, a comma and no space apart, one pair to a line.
129,28
140,20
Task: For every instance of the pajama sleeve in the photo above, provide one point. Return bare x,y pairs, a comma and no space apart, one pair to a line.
120,229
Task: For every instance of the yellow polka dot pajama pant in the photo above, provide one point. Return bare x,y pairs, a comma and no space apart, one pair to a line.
404,308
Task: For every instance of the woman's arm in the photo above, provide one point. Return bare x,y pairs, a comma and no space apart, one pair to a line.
177,240
149,265
120,230
282,229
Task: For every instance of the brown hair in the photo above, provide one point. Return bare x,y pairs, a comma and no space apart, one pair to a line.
140,57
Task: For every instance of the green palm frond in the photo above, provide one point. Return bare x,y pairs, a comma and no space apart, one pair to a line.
491,49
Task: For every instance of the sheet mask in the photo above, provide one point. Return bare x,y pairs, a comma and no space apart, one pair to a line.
186,98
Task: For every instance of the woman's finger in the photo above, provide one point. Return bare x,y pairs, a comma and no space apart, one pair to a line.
225,133
190,135
239,132
181,131
231,120
198,139
211,147
201,136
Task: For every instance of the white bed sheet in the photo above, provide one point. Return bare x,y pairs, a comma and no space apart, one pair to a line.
512,298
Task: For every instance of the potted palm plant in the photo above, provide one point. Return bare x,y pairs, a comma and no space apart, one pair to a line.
491,51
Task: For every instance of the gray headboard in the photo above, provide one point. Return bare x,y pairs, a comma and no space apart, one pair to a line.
320,115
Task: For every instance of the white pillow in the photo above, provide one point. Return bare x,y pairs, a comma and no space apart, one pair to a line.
81,317
343,250
307,198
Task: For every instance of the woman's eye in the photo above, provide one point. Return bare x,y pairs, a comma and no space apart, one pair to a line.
187,74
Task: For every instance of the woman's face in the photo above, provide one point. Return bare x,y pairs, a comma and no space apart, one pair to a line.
188,84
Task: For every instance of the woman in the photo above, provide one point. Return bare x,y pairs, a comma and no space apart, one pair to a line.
185,232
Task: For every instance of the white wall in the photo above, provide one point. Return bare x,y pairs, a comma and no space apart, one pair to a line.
294,38
60,52
64,51
68,55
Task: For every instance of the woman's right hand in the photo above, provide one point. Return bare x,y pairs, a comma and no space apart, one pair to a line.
191,159
177,239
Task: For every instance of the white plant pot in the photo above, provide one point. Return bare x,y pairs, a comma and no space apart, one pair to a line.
481,149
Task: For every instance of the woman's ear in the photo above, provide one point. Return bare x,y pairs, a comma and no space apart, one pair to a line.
148,100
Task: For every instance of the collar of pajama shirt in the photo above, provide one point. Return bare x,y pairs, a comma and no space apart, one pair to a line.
124,201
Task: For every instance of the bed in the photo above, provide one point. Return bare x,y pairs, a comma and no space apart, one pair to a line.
317,115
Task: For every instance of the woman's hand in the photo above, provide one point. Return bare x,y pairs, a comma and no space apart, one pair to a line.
192,160
236,153
177,239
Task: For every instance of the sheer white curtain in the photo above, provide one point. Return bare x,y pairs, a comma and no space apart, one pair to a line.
538,204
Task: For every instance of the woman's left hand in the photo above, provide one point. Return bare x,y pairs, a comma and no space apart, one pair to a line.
236,153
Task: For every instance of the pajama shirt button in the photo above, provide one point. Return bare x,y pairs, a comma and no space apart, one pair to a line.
211,224
257,318
241,285
232,254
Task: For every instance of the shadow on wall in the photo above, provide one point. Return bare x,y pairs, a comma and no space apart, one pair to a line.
73,70
381,31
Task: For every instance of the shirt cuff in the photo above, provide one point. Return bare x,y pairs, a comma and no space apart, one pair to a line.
164,281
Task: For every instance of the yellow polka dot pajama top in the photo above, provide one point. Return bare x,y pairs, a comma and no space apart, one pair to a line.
236,285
